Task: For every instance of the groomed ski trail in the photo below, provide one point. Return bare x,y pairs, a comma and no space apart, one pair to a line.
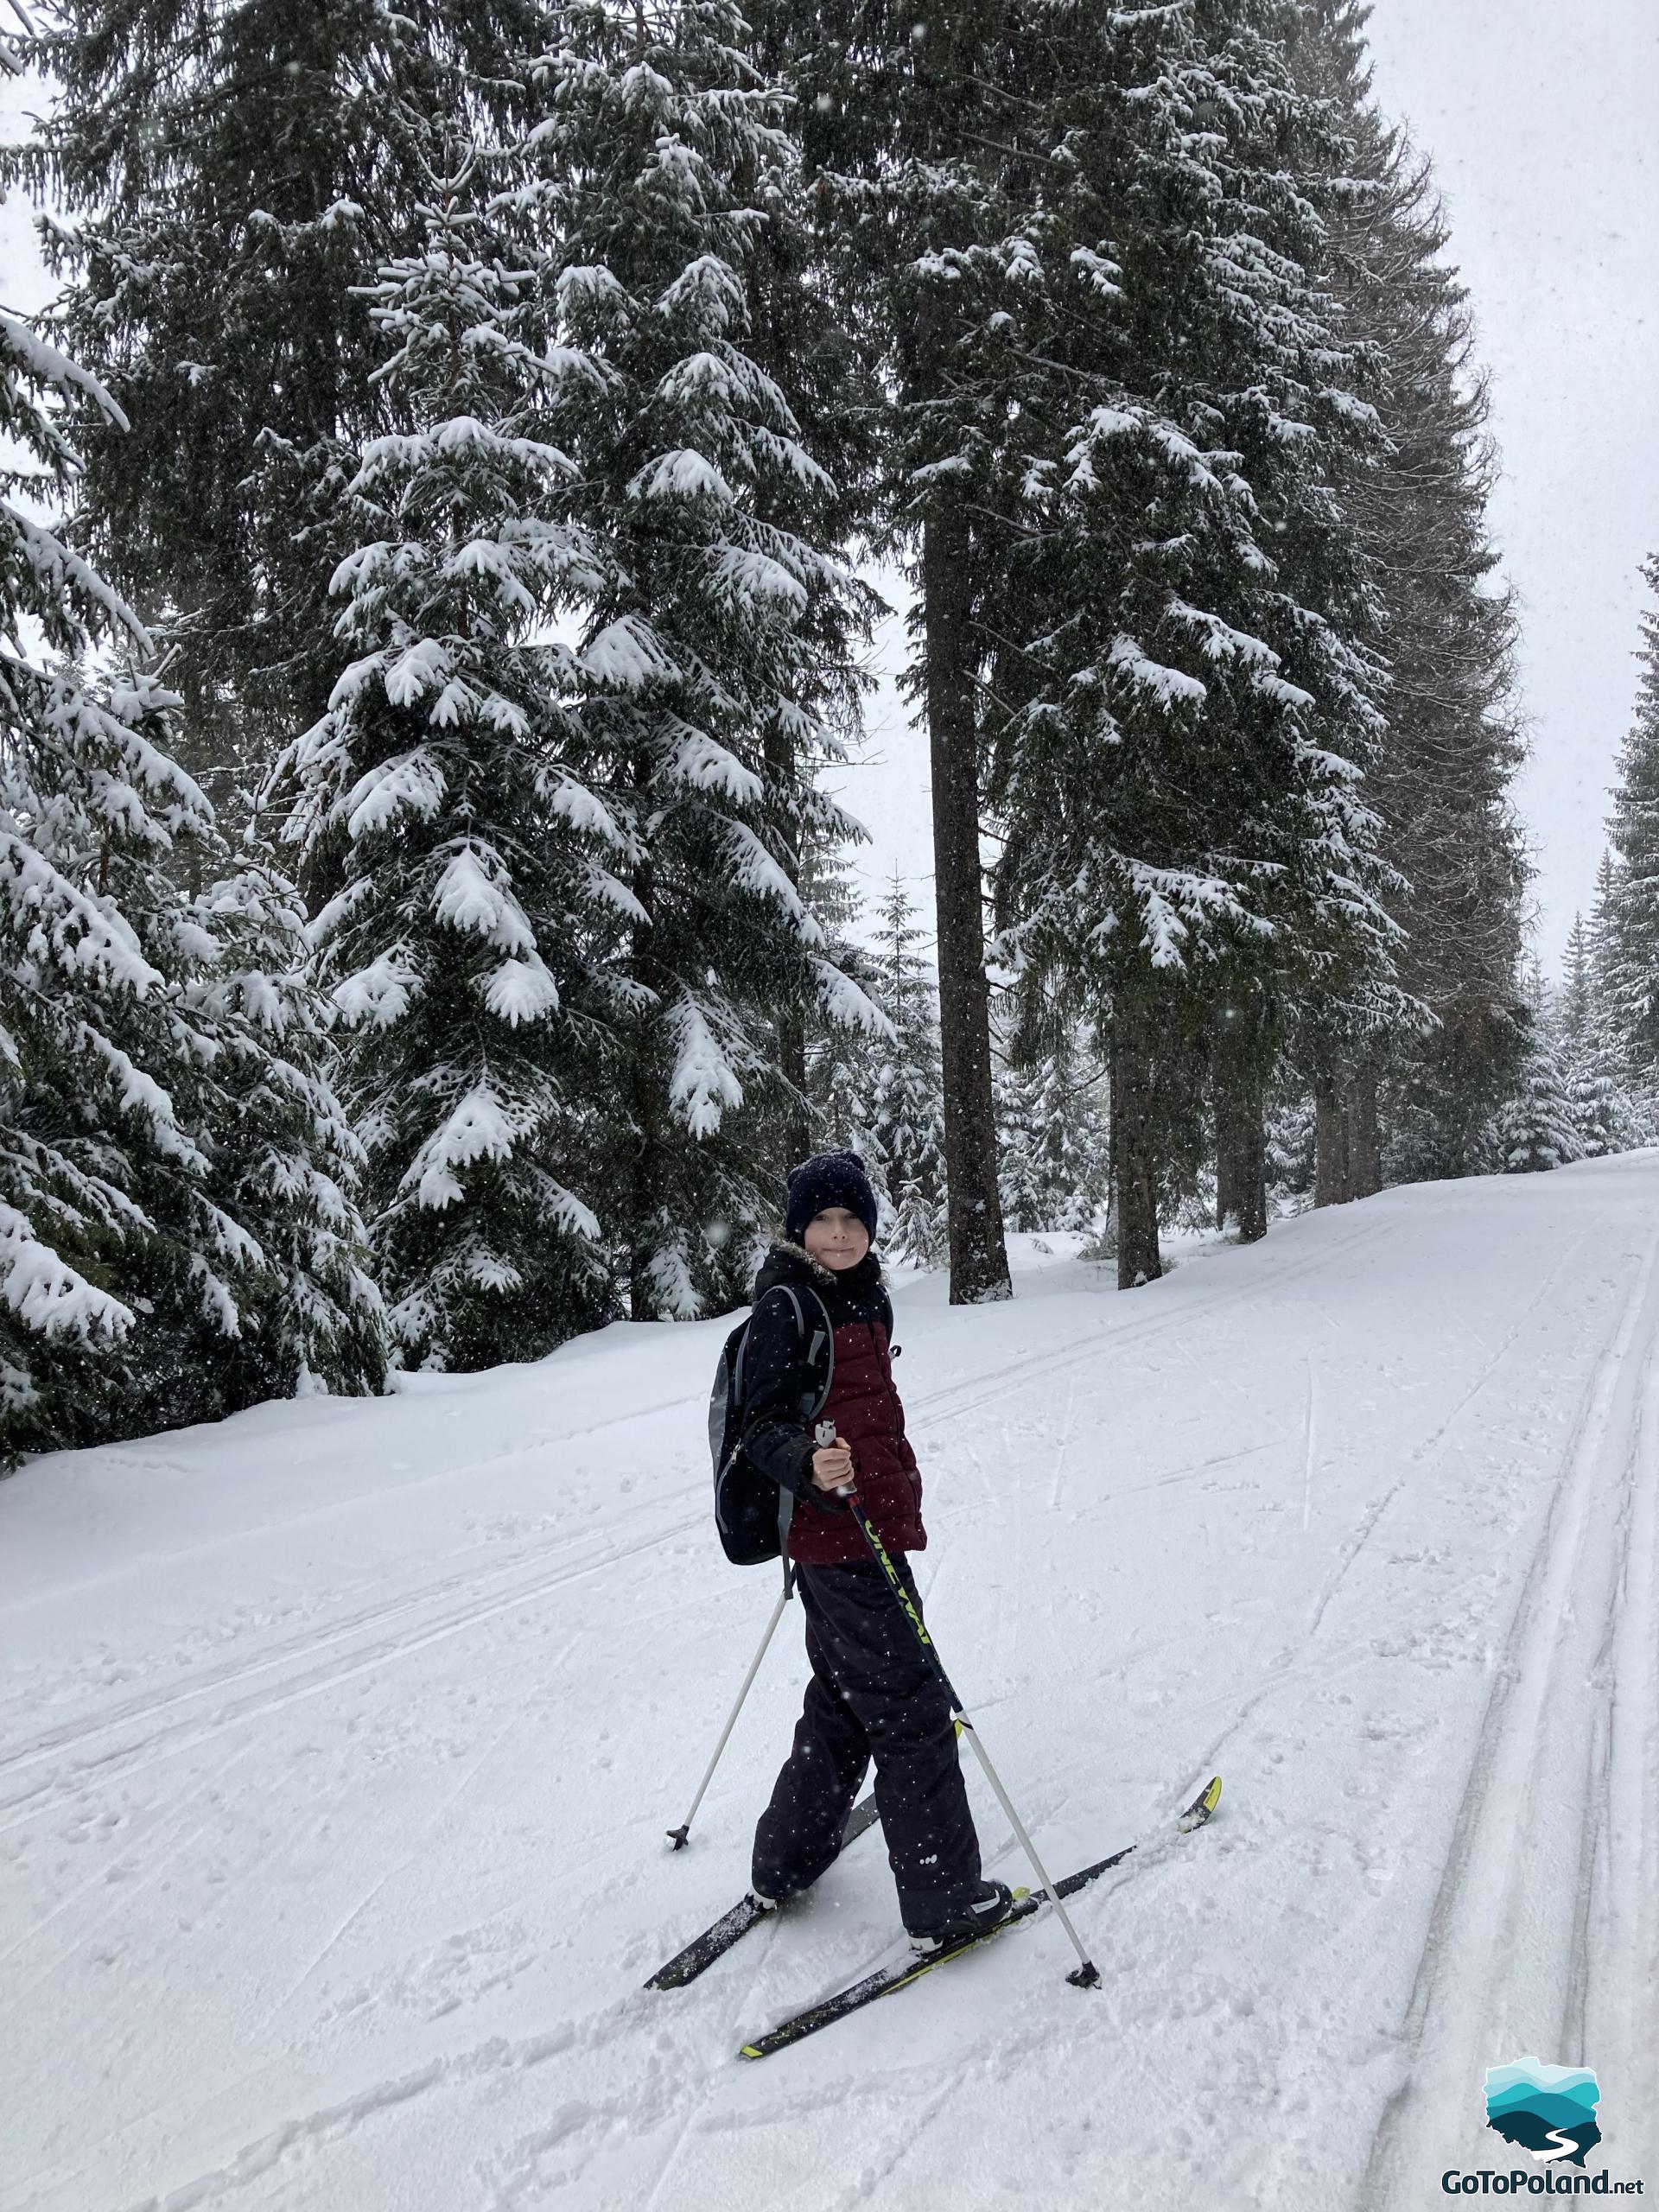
1544,1934
341,1738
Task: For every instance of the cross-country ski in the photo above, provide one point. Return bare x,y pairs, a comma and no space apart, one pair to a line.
748,1912
885,1983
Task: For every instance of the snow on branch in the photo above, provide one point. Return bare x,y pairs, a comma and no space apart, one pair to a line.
628,654
413,783
46,1293
683,473
474,893
481,1127
846,1006
1169,686
704,1083
77,933
706,766
521,990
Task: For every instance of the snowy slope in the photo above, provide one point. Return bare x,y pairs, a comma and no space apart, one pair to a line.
338,1743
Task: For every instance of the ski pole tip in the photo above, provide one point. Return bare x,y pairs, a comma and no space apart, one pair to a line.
680,1837
1087,1976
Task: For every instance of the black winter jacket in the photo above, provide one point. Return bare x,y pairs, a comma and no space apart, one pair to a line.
780,1373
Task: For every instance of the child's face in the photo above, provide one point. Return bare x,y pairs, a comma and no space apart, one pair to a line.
836,1238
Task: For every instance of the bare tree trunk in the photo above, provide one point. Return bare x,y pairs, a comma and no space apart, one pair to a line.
979,1262
1240,1091
1364,1135
1227,1200
792,1050
1332,1186
644,1167
1242,1165
1134,1160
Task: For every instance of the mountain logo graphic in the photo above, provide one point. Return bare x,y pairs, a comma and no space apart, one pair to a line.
1549,2110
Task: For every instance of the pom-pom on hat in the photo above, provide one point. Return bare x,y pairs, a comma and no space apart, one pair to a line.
829,1178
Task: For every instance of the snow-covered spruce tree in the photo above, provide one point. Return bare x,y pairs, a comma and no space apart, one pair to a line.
462,946
1602,1118
914,120
907,1102
1602,1111
841,1068
81,1118
177,1235
821,363
284,1161
1576,1010
1056,1162
1536,1127
841,1063
1627,918
1025,1207
220,184
1413,1097
713,659
1598,946
827,1064
1187,693
1290,1152
1609,1045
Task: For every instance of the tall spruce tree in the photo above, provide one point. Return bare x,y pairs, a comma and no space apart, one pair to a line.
1055,1160
840,1062
465,944
222,185
1627,907
714,660
177,1230
907,117
1604,1111
1537,1128
1412,1095
1577,1010
1186,693
907,1103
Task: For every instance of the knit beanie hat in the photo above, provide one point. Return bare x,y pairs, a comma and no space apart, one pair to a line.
829,1178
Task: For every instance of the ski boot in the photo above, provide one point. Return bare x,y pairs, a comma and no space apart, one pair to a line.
982,1912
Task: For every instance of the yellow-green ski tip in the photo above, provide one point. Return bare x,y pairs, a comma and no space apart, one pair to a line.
1202,1806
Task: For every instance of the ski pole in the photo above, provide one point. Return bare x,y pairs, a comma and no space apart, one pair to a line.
681,1835
1085,1975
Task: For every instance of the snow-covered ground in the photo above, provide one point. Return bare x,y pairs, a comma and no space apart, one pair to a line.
337,1744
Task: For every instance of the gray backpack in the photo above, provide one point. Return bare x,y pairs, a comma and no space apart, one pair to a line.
752,1512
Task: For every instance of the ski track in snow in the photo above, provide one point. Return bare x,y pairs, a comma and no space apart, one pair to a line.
335,1765
1535,1886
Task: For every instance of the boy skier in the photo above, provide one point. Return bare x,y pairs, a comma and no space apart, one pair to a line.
872,1693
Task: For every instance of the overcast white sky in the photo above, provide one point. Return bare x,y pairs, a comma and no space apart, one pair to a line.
1543,121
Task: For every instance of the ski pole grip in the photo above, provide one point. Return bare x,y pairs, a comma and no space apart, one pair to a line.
823,1436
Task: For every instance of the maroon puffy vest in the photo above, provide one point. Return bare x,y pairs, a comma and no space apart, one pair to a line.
865,1408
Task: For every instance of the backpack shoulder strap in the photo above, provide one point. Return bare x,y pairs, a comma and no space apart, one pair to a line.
745,1330
785,1495
818,1338
820,1398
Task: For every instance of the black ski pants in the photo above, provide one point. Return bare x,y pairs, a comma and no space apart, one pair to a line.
872,1695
